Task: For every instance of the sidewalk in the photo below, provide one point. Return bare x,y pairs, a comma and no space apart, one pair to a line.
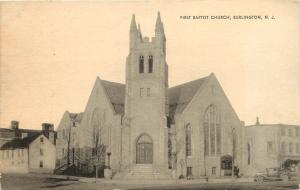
140,184
166,182
47,175
145,181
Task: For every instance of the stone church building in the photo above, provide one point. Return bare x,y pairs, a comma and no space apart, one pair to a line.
145,129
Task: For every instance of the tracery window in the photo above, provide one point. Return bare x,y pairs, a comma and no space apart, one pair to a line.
212,131
95,125
249,154
141,64
188,140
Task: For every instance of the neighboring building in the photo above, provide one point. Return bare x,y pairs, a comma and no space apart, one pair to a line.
144,129
68,139
270,145
8,134
33,153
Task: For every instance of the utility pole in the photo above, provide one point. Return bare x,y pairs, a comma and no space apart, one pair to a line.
233,151
68,153
69,142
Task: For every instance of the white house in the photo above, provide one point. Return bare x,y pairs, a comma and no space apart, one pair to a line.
34,153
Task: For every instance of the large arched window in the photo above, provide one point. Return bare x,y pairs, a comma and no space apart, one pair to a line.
141,64
95,125
188,140
169,152
249,154
150,62
212,131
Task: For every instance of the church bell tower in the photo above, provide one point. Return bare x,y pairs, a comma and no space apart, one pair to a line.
146,107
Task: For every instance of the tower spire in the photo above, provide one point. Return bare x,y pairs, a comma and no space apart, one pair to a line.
133,23
159,28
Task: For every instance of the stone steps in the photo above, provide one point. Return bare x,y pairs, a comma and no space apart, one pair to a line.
144,171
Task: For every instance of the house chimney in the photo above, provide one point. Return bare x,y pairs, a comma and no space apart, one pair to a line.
14,125
257,121
48,131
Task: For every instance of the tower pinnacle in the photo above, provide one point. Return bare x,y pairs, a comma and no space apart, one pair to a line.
133,23
139,31
159,28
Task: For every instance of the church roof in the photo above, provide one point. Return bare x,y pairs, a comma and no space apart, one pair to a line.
181,95
116,94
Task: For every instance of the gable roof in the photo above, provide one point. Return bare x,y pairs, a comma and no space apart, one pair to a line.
30,132
20,143
7,133
181,95
12,133
116,94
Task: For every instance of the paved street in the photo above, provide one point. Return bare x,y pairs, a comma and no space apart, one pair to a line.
232,186
32,182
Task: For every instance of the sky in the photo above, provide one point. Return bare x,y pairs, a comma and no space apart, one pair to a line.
52,52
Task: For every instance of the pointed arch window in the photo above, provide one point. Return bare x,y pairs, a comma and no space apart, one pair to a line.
150,62
212,131
249,154
188,140
96,125
141,64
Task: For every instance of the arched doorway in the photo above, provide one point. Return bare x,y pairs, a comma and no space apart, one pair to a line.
226,165
144,150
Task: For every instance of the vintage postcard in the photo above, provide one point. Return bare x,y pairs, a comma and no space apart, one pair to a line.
176,94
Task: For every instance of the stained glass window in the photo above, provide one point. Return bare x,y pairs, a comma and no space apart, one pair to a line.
212,131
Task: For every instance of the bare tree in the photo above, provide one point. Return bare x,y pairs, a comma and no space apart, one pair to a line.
98,141
176,145
68,138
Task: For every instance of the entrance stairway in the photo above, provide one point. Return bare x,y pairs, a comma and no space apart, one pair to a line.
145,171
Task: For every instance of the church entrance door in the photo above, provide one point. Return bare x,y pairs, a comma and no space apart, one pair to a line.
144,150
226,165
